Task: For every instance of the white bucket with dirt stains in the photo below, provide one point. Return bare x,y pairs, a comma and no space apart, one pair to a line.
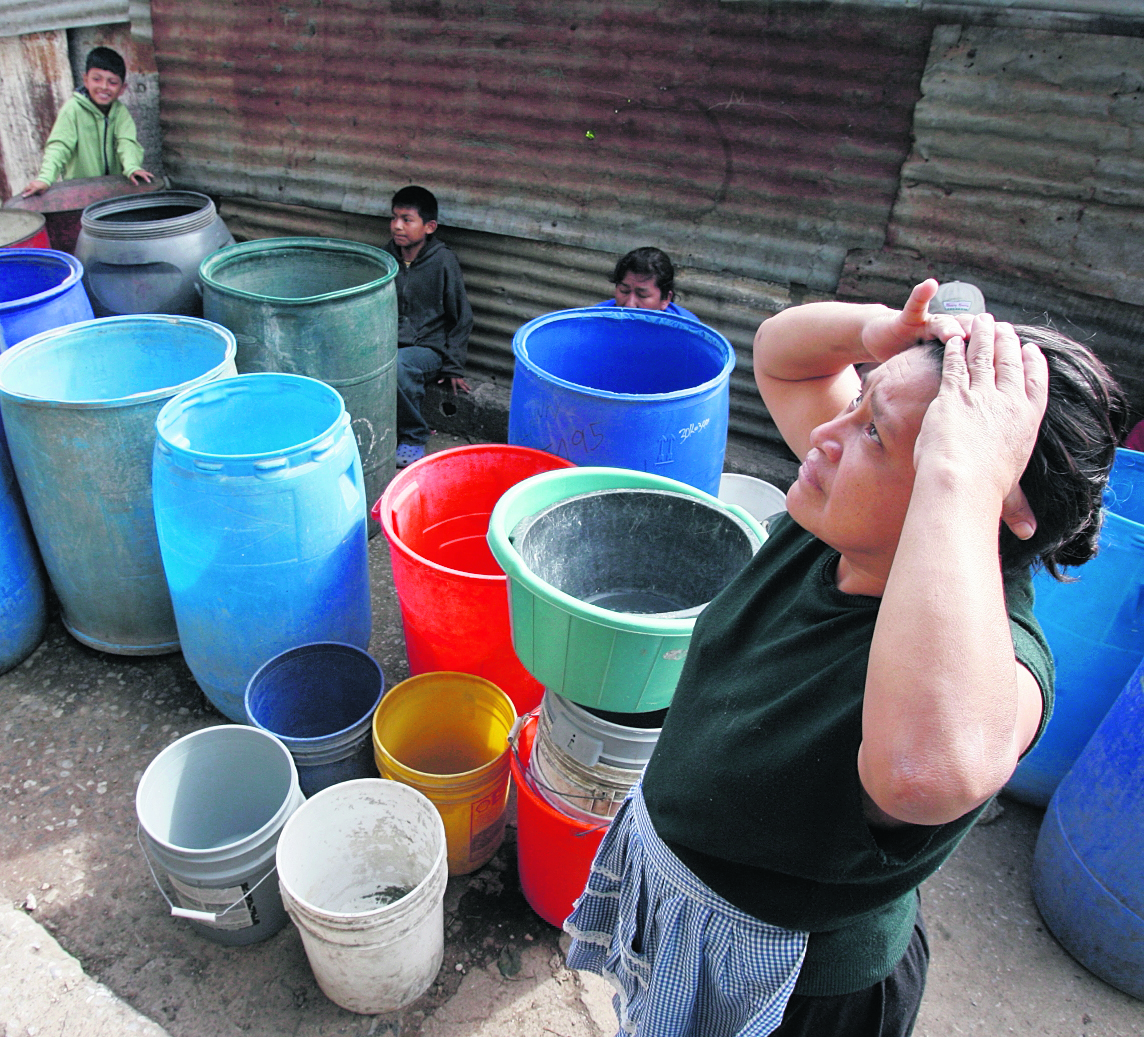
362,867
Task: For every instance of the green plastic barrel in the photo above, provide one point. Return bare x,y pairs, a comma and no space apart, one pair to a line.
323,308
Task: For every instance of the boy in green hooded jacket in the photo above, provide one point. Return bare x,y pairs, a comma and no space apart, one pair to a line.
94,134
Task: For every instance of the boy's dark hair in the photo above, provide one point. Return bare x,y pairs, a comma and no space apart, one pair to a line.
419,198
1064,481
107,59
647,262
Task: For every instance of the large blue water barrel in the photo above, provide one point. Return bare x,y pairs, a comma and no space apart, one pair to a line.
624,388
79,405
1095,627
1087,876
23,596
39,289
260,509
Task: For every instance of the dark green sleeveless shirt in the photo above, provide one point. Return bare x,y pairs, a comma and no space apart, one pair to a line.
754,781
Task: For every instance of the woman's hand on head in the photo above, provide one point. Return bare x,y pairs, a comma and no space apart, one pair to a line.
894,331
983,423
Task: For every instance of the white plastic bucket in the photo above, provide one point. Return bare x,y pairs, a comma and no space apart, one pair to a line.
211,807
758,498
363,866
584,764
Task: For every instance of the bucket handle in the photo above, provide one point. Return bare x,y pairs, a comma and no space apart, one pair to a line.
207,917
514,747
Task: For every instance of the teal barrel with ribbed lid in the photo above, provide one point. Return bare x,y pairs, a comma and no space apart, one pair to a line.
79,404
324,308
260,512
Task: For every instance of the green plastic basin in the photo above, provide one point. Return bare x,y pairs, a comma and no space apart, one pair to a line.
580,546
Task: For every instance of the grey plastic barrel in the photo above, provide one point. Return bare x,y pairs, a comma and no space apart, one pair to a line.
79,405
324,308
141,253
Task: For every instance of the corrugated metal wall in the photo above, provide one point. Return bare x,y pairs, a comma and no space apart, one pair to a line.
760,140
18,17
510,280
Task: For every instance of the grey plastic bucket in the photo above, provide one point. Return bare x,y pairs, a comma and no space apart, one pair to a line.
324,308
211,807
79,405
584,763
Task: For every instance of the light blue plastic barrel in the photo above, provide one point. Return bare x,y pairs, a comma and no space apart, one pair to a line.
319,700
79,405
1095,627
39,289
1087,876
260,511
23,595
624,388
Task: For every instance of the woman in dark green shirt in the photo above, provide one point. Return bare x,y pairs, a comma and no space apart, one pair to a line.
853,699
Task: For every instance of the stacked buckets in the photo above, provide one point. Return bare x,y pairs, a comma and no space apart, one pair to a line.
607,570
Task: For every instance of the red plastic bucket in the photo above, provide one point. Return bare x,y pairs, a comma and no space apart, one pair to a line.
20,229
554,852
453,595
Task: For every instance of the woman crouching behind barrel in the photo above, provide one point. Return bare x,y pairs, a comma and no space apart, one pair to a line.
856,696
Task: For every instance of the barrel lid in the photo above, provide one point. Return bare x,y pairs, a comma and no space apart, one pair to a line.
18,225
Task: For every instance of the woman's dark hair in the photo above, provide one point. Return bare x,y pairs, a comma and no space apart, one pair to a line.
1084,422
107,59
647,262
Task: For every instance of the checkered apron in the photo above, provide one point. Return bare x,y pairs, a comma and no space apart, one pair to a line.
684,961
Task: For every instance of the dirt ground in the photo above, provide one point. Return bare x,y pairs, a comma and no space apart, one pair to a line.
77,730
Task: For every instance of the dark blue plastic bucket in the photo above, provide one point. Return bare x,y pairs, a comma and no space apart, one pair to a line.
23,595
1087,877
260,512
624,388
1095,627
79,405
40,289
319,700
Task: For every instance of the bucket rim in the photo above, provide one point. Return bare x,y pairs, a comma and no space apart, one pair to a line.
201,216
213,264
237,382
622,313
18,216
46,256
252,839
504,520
457,777
382,512
105,326
333,739
385,910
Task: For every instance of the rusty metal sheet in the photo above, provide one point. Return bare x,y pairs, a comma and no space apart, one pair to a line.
37,80
764,141
1038,133
510,280
18,17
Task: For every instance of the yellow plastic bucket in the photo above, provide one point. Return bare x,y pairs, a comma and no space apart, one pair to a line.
446,735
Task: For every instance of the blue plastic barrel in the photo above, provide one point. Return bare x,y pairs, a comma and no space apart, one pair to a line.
23,596
39,289
260,511
79,405
1095,627
1087,876
319,700
624,388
